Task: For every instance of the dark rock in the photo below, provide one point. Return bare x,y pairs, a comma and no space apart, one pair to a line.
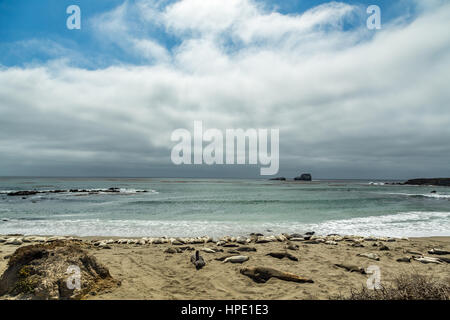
22,193
430,182
304,177
279,179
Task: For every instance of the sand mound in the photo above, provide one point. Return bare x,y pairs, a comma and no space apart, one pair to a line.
58,270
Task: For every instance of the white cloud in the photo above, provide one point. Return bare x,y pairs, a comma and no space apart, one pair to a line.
346,103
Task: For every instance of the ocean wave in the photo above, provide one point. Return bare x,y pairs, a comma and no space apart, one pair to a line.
422,195
405,224
84,191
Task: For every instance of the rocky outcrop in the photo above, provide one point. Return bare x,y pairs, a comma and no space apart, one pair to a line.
430,182
53,271
90,191
304,177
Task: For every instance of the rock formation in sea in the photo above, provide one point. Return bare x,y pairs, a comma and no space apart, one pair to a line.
430,182
304,177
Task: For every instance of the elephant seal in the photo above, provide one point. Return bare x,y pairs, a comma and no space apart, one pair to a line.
236,259
281,255
262,274
292,246
198,260
369,255
224,257
404,259
173,250
246,249
351,268
428,260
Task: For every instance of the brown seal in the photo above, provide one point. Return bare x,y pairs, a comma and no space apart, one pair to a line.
262,274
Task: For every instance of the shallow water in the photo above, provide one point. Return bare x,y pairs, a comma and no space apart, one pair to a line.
188,207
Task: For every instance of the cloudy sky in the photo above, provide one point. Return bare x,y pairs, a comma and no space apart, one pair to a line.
103,101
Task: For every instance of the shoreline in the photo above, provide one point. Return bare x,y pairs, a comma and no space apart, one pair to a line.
153,270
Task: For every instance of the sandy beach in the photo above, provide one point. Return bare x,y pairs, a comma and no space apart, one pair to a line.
146,271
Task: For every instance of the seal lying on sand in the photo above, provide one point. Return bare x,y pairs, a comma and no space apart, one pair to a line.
246,249
198,260
262,274
236,259
351,268
369,255
292,246
438,251
281,255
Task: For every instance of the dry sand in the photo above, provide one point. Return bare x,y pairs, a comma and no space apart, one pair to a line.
146,272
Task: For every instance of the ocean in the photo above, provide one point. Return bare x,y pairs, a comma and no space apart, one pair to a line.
217,207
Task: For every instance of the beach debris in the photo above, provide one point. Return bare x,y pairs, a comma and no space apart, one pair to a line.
236,259
438,251
281,255
350,267
369,255
43,271
224,257
263,274
428,260
246,249
198,260
404,259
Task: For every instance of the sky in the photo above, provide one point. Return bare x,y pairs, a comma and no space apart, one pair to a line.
103,100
